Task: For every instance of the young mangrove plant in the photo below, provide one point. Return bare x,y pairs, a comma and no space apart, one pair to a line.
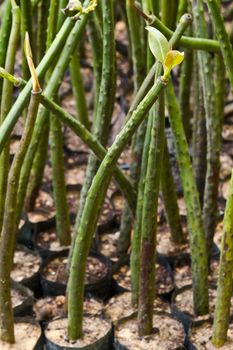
10,224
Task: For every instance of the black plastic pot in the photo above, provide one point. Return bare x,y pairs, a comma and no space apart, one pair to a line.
26,307
100,289
104,343
39,343
32,282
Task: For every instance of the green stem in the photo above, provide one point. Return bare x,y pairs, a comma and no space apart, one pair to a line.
57,157
91,211
213,129
199,142
4,35
223,37
95,37
170,199
195,223
136,242
78,90
59,185
149,221
102,118
224,291
9,228
6,103
138,138
169,12
189,42
185,90
26,26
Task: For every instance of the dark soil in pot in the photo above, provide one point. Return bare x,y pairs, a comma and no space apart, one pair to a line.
98,276
182,300
200,337
97,335
168,334
26,269
28,336
120,307
22,300
164,279
49,308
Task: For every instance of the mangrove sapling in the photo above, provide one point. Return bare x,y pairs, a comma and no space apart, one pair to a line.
136,242
9,227
6,101
85,135
224,291
102,118
199,142
57,158
194,213
138,139
213,129
92,208
224,41
149,220
135,254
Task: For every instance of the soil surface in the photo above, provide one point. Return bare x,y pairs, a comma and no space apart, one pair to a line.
168,334
120,307
94,328
184,302
54,307
25,265
26,337
56,270
200,336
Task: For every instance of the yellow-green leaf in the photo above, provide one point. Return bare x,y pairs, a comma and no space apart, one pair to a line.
172,59
158,44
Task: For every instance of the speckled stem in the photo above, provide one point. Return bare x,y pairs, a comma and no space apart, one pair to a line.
9,228
224,41
4,35
170,199
149,221
138,61
199,142
6,102
102,118
224,291
79,91
194,213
